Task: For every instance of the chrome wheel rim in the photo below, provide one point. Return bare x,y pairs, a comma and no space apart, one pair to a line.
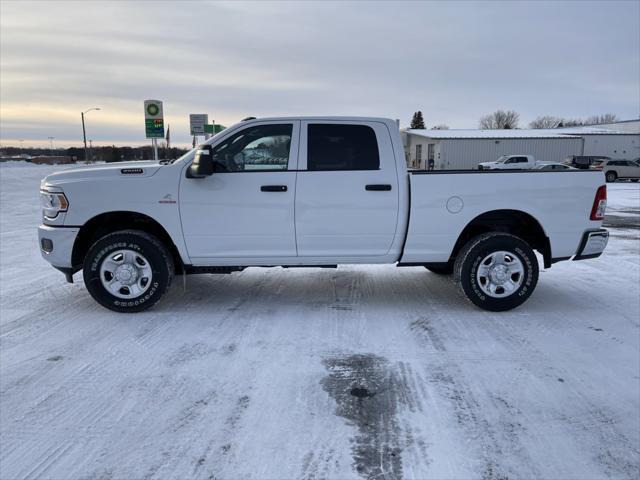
126,274
500,274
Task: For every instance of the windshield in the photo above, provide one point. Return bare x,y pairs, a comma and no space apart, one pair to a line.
502,159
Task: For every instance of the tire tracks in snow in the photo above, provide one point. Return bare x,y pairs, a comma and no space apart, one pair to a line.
199,419
615,452
370,394
491,442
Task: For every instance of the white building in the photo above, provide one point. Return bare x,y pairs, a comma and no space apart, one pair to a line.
464,149
626,126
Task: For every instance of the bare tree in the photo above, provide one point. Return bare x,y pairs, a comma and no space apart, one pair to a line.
546,121
442,126
600,119
500,120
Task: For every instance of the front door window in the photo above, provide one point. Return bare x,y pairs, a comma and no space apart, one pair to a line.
264,148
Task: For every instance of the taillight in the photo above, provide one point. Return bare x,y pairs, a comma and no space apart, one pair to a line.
599,204
598,167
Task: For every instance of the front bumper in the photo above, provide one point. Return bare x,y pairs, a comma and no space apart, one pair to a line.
593,244
56,244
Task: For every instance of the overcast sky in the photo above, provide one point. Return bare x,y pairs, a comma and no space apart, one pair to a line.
455,61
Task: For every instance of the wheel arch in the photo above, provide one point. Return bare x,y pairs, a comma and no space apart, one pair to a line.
109,222
515,222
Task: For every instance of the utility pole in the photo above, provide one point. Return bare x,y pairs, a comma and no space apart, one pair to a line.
84,131
51,145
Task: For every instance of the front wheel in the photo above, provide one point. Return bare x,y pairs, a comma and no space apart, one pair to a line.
611,177
128,271
496,271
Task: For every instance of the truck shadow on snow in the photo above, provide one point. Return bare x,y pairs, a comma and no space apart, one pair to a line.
344,292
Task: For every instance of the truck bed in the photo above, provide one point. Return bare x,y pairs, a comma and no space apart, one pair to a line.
444,202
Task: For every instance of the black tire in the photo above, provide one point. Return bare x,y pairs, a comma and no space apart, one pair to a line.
611,177
475,251
440,269
635,179
147,245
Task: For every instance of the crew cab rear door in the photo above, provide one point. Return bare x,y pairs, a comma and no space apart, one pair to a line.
346,190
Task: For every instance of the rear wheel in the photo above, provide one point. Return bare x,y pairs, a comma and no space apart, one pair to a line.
128,271
611,177
496,271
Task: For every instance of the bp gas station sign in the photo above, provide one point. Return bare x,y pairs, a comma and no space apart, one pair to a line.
153,119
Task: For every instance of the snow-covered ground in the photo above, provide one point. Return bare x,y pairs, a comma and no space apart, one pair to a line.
374,372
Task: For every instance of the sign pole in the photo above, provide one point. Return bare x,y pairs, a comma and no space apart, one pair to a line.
154,123
197,123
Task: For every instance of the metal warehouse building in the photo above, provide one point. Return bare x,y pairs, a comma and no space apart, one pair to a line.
464,149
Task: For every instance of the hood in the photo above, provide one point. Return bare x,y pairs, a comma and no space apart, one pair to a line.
108,171
484,164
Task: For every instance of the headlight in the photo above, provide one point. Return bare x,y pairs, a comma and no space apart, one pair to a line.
53,203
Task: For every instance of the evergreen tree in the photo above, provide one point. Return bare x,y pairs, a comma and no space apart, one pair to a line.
417,122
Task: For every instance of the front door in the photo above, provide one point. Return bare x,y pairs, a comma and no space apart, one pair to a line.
245,210
347,190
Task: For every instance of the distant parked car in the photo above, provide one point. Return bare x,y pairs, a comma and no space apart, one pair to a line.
553,166
583,162
619,170
509,162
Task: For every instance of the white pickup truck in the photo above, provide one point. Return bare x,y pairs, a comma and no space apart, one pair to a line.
313,191
510,162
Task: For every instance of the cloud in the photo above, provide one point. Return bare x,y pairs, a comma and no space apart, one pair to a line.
454,61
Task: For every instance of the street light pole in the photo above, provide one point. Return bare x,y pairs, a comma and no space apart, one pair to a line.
84,136
84,131
51,145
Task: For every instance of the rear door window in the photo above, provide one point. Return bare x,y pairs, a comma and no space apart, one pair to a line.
332,147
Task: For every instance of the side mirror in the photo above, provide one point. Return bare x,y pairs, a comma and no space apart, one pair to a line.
202,165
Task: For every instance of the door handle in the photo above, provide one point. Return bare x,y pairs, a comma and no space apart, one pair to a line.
273,188
378,188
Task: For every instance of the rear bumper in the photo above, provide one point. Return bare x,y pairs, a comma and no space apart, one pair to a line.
592,244
56,244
